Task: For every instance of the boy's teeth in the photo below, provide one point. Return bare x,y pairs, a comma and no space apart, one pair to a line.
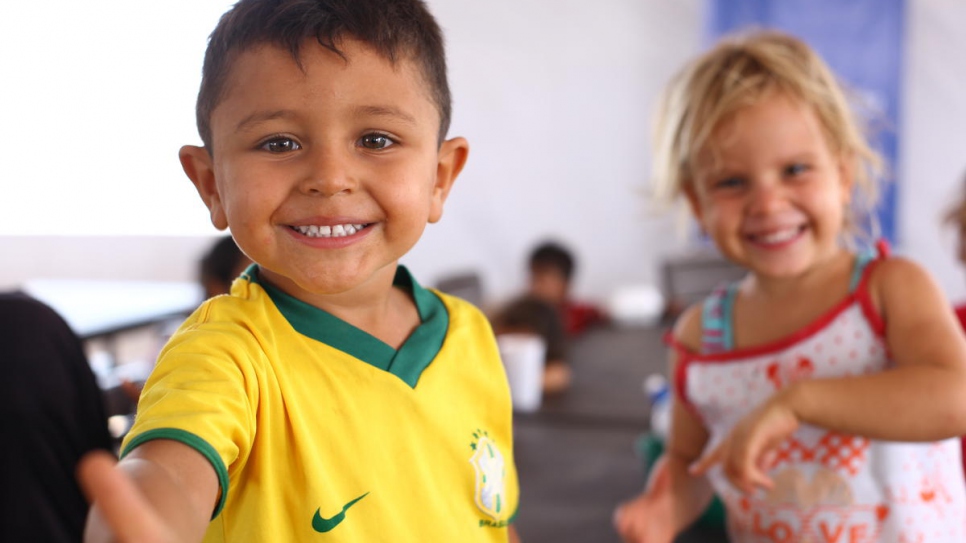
337,231
778,237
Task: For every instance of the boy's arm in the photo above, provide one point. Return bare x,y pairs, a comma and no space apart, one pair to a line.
164,491
920,399
673,498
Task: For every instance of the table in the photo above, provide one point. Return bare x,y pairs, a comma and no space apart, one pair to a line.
576,456
104,308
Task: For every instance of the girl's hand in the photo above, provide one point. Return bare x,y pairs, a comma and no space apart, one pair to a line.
648,518
746,452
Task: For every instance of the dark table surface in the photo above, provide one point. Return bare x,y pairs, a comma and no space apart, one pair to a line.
576,456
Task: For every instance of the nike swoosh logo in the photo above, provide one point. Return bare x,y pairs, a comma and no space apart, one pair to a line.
323,525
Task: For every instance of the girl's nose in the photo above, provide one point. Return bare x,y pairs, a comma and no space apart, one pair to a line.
766,198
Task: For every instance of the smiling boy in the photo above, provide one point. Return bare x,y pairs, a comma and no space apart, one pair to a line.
329,394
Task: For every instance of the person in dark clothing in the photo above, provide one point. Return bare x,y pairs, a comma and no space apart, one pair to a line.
52,412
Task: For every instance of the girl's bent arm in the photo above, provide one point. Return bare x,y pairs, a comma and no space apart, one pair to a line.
164,491
922,398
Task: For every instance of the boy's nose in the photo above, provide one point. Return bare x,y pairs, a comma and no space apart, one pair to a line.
329,174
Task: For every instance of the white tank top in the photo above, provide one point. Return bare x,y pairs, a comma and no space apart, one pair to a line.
829,487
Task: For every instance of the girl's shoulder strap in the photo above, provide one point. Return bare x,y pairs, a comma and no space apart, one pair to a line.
863,259
716,328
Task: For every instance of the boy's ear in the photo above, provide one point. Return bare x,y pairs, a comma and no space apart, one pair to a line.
197,164
452,157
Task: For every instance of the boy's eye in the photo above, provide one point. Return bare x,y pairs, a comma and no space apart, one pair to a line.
376,141
281,145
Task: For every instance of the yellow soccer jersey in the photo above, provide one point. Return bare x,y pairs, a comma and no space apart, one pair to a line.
320,432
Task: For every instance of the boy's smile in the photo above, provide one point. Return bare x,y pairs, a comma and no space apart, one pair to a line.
326,174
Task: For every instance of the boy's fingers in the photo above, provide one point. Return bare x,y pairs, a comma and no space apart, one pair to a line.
123,507
92,470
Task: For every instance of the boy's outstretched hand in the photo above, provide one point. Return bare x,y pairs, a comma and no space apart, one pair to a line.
746,452
124,511
648,518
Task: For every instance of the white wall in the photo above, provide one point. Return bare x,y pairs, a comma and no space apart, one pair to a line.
555,97
933,137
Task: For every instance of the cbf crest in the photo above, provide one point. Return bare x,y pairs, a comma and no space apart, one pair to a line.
490,470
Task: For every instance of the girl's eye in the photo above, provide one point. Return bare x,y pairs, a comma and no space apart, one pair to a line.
376,141
795,169
728,183
281,145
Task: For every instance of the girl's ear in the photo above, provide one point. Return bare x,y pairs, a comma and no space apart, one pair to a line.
694,201
846,169
198,166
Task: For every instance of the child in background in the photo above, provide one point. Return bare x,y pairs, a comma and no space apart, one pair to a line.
818,396
956,217
552,269
223,262
531,315
548,310
329,395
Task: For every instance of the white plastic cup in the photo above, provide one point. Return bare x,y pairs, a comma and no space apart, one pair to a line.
523,357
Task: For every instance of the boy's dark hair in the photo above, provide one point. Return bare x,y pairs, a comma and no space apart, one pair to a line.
395,29
554,256
221,260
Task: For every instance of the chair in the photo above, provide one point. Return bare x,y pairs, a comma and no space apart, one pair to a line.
689,278
466,285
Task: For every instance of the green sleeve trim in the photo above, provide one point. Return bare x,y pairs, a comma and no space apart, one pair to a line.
195,443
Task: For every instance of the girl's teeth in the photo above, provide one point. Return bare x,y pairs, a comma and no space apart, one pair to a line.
337,231
778,237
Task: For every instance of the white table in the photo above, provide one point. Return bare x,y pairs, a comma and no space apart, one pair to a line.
103,308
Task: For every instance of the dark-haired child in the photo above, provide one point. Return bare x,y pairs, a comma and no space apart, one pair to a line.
330,396
552,267
220,265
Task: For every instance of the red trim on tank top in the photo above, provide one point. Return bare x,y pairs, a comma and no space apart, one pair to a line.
861,296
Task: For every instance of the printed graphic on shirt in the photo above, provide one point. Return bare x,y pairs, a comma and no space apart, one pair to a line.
322,525
490,468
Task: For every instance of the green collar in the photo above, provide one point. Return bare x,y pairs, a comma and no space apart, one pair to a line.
408,363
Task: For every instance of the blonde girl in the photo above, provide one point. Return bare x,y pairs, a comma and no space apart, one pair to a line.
817,396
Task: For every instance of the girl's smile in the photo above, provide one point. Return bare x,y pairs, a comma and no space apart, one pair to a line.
769,190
